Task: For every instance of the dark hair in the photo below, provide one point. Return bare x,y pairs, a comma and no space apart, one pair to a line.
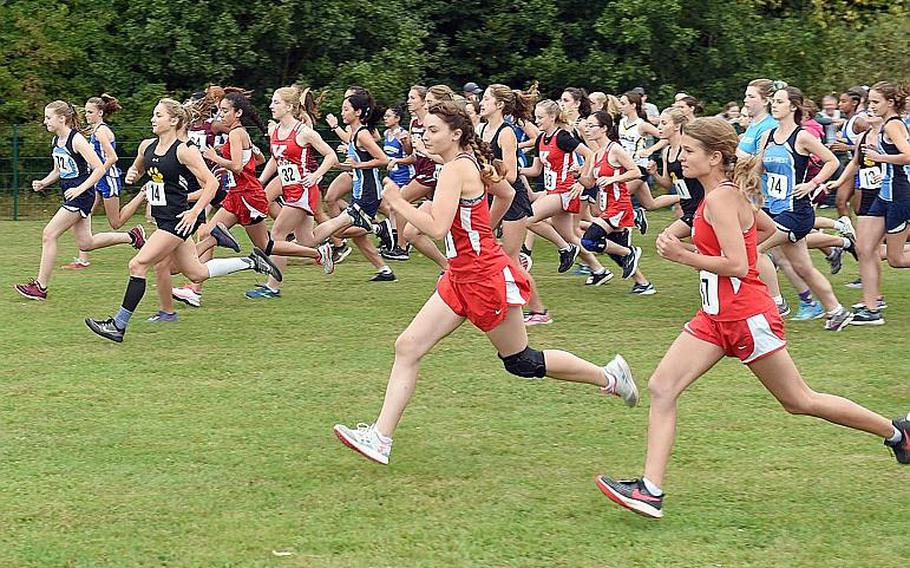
106,103
454,115
858,94
581,97
635,99
606,120
694,104
795,96
248,116
397,110
370,113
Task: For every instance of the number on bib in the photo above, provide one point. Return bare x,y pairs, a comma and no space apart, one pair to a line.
710,302
870,178
778,186
549,178
436,171
197,138
66,166
229,180
682,190
154,194
289,174
451,251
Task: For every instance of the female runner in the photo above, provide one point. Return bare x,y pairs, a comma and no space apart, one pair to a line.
737,318
481,284
633,128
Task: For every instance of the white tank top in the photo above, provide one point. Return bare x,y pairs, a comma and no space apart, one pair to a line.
631,139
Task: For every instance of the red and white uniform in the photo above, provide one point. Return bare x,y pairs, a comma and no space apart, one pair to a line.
615,201
737,314
294,163
246,198
481,282
557,155
426,171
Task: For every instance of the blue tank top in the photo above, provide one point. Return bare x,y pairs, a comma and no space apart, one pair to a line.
752,136
364,180
785,168
521,136
99,149
72,166
895,177
393,148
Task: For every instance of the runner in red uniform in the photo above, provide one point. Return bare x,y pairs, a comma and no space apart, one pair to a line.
481,284
738,318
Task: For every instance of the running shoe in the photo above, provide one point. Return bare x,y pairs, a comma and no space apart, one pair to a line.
106,329
31,290
630,263
865,316
641,220
383,230
808,311
851,247
534,318
264,265
567,258
625,387
325,258
597,279
262,291
631,494
359,217
188,296
835,259
341,253
224,238
137,237
77,264
525,261
395,253
163,317
383,276
901,449
855,284
582,270
838,320
643,289
783,308
844,227
880,304
526,250
365,440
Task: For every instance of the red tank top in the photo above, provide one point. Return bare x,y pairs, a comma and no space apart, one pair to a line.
423,166
246,180
556,164
472,249
728,298
614,196
293,160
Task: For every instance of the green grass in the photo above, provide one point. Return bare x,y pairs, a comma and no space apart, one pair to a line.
209,443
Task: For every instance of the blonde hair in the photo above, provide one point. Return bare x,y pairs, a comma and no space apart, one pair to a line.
598,97
68,111
553,109
185,114
677,116
717,135
612,105
441,93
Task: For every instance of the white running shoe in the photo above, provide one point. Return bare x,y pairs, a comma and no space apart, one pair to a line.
525,261
325,258
366,441
844,226
625,387
188,296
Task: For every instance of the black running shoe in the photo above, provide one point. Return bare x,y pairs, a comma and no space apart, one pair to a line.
631,494
340,253
526,250
106,329
384,277
264,265
851,248
901,449
641,220
865,316
598,279
395,253
630,263
383,230
567,258
359,217
224,238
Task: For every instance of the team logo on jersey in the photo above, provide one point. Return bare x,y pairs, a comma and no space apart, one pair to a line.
156,175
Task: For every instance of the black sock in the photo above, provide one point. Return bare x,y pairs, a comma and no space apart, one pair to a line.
134,292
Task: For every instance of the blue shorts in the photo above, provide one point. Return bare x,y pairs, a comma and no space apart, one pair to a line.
590,194
83,204
896,214
797,224
108,186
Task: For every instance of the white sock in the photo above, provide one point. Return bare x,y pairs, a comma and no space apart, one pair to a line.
836,310
611,382
652,489
568,248
601,271
223,266
846,242
778,300
385,269
896,437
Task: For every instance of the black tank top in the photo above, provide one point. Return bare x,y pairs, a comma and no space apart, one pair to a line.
169,183
690,190
73,168
497,150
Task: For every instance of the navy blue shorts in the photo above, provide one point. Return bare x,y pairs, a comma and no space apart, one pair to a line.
896,214
521,204
83,204
170,226
797,224
590,194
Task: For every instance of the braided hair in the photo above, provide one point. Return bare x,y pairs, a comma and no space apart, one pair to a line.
456,118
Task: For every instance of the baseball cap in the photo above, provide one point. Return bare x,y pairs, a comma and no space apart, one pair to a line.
639,90
472,88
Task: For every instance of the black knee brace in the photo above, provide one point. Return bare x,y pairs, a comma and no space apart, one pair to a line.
594,239
268,247
528,363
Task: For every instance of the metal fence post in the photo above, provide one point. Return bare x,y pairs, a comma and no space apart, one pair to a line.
15,164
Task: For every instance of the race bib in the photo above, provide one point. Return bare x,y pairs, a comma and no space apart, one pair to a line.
154,194
436,171
451,252
66,165
602,199
289,174
682,190
197,138
778,186
549,178
870,178
229,180
710,302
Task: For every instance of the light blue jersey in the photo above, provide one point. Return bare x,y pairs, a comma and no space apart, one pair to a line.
752,136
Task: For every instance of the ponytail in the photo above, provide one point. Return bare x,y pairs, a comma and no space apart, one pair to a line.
717,135
107,104
248,115
68,111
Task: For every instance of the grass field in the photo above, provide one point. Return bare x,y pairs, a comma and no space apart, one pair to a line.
208,442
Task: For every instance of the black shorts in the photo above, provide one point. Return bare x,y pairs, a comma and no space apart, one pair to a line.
169,225
521,205
590,194
83,203
220,194
644,173
689,207
866,199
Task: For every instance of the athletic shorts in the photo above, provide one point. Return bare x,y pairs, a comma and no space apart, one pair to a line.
896,214
619,214
250,207
486,303
82,204
866,199
568,205
644,173
306,198
427,172
688,206
748,340
521,204
590,194
108,186
797,224
220,194
170,226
